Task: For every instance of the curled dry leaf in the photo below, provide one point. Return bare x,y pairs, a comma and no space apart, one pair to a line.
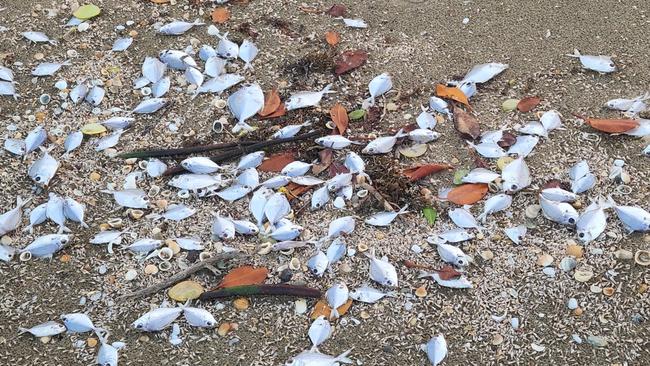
350,60
337,10
447,273
271,103
332,38
466,124
326,157
507,139
612,125
340,117
293,190
281,111
467,194
412,264
241,276
321,308
337,168
276,162
528,104
220,15
421,171
451,92
185,290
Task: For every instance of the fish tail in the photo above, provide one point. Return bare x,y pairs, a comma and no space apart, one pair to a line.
22,330
391,293
248,66
482,217
575,53
335,314
28,228
611,202
343,357
401,133
403,210
84,225
327,89
367,103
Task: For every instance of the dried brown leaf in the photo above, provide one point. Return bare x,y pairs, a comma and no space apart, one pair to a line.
281,111
220,15
507,139
322,308
332,38
246,275
326,157
612,125
447,273
350,60
451,92
271,103
421,171
337,10
467,194
340,118
528,104
466,124
276,162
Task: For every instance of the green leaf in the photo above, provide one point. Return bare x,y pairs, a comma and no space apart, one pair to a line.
459,175
430,214
358,114
88,11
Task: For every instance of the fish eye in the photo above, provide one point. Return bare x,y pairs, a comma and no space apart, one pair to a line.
139,326
514,186
582,235
64,240
37,178
572,220
208,323
461,262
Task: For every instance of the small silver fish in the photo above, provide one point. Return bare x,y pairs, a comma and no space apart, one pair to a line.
223,228
451,236
95,95
439,105
276,208
153,69
7,253
558,195
296,169
219,84
579,170
560,212
335,142
378,86
118,122
38,37
131,198
157,319
382,271
551,120
252,160
10,220
234,192
383,145
178,27
385,218
46,245
15,146
483,73
161,87
244,227
463,219
7,88
480,175
426,120
304,99
35,138
151,105
189,243
194,76
517,233
286,232
121,44
634,218
200,165
460,282
336,296
354,162
198,317
47,329
336,250
423,135
276,182
194,181
178,212
245,103
342,225
49,68
583,183
355,23
452,254
247,52
494,204
488,150
74,211
6,74
42,170
369,295
289,244
624,104
78,93
319,331
215,66
307,180
144,245
523,145
78,323
516,176
176,59
592,222
436,349
532,128
227,48
313,358
73,141
108,141
318,263
107,354
320,197
258,202
289,130
602,64
207,51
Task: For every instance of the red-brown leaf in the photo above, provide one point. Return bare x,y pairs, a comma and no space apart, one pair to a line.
337,10
451,92
246,275
612,125
281,111
326,157
337,168
447,273
421,171
466,124
276,162
528,104
507,139
340,118
332,38
350,60
467,194
294,190
271,103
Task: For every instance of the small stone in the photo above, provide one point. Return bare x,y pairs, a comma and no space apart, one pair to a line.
38,56
143,338
574,251
583,276
285,275
480,236
572,304
623,254
576,338
609,291
102,269
391,107
421,291
162,204
91,342
487,255
544,260
597,341
416,249
497,339
567,264
130,275
643,288
224,329
577,204
45,339
549,271
241,303
65,258
514,322
578,312
94,176
595,289
151,269
537,347
346,268
532,211
364,314
509,105
301,306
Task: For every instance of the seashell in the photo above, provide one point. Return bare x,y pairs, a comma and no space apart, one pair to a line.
609,291
165,253
183,193
497,339
204,255
171,244
153,191
115,223
494,187
164,266
595,289
362,193
131,161
583,276
241,303
142,164
301,306
623,254
288,251
265,248
220,104
294,264
25,256
145,91
61,84
642,257
544,260
361,247
568,263
330,124
166,193
623,189
44,99
224,329
161,204
532,211
130,275
126,169
151,269
104,227
217,127
136,214
421,291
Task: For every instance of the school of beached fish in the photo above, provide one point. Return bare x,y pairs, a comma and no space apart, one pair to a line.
269,209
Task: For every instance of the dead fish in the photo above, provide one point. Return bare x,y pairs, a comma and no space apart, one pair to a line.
35,138
377,87
624,104
223,228
634,218
198,317
234,192
426,120
558,195
47,329
95,95
276,208
551,120
55,211
42,170
305,99
37,216
6,74
7,253
382,271
436,349
383,145
452,254
459,282
178,212
73,141
215,66
78,93
38,37
336,296
517,233
245,103
579,170
10,220
151,105
227,48
319,331
355,23
318,263
118,123
423,135
493,136
107,354
516,176
560,212
464,219
245,227
193,182
7,88
642,130
483,73
385,218
370,295
439,105
157,319
108,141
593,221
335,142
49,68
602,64
480,175
296,169
176,59
131,198
247,52
488,149
532,128
78,323
74,211
494,204
189,243
307,180
320,197
219,84
313,358
178,27
523,145
451,236
289,130
121,44
45,246
206,51
144,245
583,184
161,87
200,165
340,226
15,146
153,69
194,76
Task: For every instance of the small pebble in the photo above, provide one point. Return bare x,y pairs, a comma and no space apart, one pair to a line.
572,304
286,275
102,269
301,306
130,275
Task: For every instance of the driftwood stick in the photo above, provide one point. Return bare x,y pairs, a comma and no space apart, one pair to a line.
182,150
261,290
181,275
241,150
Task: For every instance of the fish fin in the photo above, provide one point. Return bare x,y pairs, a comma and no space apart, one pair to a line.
327,89
576,53
367,103
403,210
66,63
22,330
482,217
356,143
248,66
401,133
334,314
611,201
84,225
198,22
343,357
370,254
391,293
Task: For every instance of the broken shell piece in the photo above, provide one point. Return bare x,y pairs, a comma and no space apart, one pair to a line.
220,103
544,260
115,223
136,214
153,191
145,91
595,289
130,275
150,269
421,291
217,127
609,291
642,257
204,255
568,263
330,124
362,247
25,256
294,264
362,193
164,266
183,193
126,169
583,276
265,248
623,254
165,253
532,211
171,244
142,164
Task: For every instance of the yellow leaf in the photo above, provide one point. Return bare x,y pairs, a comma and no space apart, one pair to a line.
87,11
413,151
93,129
186,290
321,308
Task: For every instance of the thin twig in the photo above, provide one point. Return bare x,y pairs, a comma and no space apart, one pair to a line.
183,150
181,275
378,196
261,290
